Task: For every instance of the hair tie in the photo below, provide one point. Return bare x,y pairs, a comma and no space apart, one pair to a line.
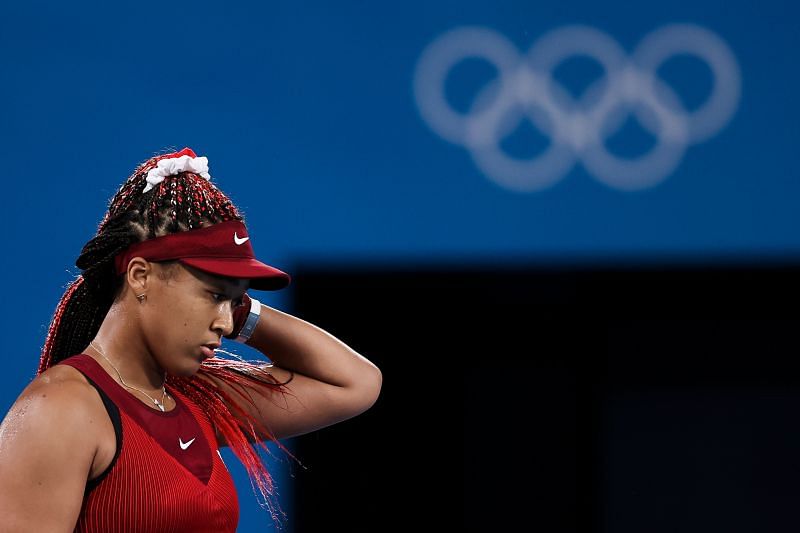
172,164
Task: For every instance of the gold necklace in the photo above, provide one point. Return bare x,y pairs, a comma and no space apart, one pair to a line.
160,404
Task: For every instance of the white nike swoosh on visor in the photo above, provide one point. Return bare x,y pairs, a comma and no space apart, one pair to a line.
239,241
185,445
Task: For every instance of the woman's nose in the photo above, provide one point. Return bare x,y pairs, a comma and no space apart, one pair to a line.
223,324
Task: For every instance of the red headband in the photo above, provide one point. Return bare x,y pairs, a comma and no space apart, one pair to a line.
223,249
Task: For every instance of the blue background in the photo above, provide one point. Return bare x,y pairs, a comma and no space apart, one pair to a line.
307,115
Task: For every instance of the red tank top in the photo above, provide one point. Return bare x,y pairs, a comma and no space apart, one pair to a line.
167,473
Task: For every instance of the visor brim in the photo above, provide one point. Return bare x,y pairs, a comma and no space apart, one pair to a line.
262,276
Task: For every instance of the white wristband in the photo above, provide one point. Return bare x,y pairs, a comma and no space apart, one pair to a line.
250,324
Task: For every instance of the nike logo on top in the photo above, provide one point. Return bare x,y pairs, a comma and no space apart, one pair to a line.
239,241
185,445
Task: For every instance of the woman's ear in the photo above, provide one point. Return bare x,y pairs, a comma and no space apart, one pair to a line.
139,272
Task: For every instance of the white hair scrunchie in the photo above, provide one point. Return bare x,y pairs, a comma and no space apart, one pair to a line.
174,165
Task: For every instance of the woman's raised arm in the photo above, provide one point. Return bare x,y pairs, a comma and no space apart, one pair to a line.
330,382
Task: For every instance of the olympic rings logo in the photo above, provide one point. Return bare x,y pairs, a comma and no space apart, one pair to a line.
577,128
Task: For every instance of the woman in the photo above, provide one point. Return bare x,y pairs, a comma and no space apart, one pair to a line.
121,428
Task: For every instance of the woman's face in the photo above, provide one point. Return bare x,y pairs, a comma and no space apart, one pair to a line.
186,309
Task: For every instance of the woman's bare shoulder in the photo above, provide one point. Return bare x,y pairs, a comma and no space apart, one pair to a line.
59,401
62,374
48,442
66,386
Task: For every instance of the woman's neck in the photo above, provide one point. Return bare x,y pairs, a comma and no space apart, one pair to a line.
120,340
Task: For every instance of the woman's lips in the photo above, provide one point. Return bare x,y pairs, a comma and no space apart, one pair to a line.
207,352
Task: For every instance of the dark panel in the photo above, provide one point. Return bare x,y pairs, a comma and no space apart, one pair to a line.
557,399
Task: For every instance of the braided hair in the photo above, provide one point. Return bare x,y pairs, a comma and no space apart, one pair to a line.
181,202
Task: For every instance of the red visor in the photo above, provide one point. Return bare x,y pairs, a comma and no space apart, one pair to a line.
223,249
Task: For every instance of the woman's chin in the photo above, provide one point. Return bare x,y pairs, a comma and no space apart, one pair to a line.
186,370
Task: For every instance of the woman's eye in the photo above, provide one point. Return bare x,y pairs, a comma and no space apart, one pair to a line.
218,297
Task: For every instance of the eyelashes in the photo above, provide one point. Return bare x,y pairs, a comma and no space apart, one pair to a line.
219,297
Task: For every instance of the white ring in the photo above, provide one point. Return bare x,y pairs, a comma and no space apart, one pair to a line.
578,129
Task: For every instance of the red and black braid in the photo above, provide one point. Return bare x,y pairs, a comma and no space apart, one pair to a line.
179,203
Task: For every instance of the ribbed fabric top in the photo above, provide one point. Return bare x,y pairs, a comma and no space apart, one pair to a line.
165,476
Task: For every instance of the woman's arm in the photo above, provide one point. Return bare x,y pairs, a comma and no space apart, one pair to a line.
330,382
47,445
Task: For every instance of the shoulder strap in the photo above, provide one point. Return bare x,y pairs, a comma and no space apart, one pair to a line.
113,412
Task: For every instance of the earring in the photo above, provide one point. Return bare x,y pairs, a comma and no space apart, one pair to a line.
141,297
